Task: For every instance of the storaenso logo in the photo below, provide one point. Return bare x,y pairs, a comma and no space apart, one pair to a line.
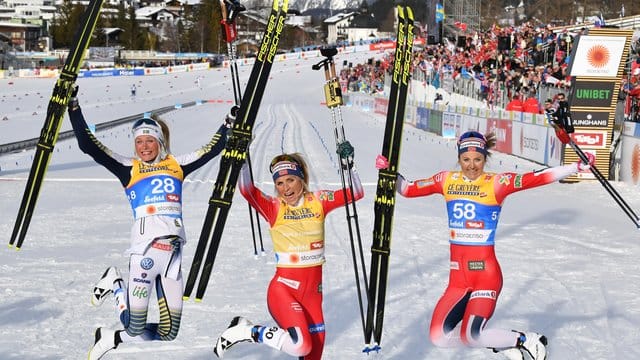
530,143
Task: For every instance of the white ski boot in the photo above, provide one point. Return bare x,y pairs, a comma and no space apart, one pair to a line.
105,340
239,330
531,346
105,286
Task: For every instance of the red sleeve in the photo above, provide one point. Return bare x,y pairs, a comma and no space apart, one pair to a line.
266,205
509,183
422,187
332,199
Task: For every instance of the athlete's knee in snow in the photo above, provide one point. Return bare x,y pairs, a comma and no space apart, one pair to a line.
297,343
441,339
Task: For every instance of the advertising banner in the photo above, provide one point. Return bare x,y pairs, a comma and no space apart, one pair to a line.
502,128
528,141
593,93
598,56
590,118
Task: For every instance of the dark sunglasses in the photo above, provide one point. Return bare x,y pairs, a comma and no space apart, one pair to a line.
144,121
471,134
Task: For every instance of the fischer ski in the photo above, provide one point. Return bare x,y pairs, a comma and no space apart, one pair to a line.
230,10
235,154
333,98
54,117
384,201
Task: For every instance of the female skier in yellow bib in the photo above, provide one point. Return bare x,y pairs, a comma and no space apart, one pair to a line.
153,185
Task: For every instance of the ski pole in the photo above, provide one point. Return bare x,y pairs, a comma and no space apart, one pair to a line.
607,185
564,137
333,96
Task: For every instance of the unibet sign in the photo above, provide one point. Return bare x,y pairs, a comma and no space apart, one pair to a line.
593,94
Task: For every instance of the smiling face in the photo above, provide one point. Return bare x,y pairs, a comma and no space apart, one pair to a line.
290,188
472,164
147,147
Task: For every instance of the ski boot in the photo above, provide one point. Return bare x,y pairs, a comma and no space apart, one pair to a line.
105,285
239,330
105,340
530,346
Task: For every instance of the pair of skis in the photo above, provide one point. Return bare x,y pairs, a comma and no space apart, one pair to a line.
230,10
55,115
384,202
333,99
234,155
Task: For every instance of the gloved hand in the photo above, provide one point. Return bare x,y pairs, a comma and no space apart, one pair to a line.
73,100
584,167
233,9
345,150
381,162
230,118
562,135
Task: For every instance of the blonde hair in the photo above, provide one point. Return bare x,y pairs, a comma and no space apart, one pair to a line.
165,131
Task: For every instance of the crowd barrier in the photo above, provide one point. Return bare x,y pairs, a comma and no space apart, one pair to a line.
164,70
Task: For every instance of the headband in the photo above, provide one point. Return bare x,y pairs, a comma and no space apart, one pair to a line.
286,168
148,127
472,143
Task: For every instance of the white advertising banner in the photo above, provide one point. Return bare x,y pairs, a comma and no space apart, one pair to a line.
529,141
598,56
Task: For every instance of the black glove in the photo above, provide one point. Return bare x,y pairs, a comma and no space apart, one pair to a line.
230,118
233,9
73,100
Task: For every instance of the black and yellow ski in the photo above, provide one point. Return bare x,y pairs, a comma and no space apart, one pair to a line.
235,154
384,201
55,114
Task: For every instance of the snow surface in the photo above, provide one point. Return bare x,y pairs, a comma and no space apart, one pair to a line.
569,255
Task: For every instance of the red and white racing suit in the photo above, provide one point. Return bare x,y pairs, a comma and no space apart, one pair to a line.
475,278
294,296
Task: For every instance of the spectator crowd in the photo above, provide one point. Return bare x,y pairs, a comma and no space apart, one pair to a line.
515,68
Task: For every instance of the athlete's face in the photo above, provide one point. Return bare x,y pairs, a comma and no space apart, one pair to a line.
472,164
290,188
147,147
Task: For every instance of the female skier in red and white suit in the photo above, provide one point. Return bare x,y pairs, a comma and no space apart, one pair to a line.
296,219
474,201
